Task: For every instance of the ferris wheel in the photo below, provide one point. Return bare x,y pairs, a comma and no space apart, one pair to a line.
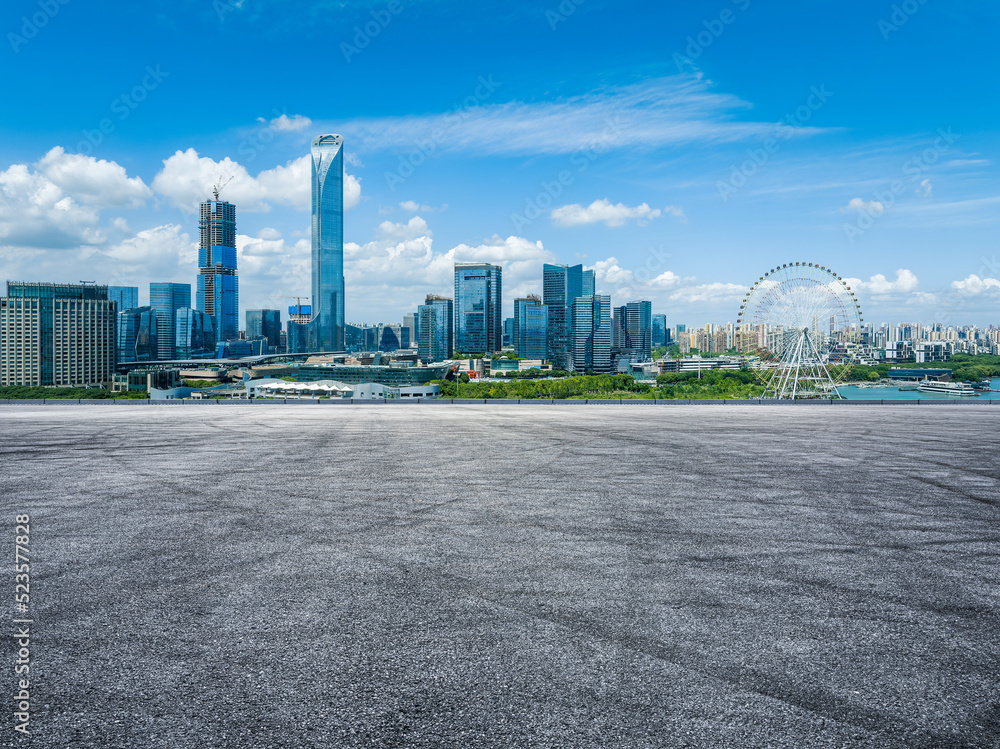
799,328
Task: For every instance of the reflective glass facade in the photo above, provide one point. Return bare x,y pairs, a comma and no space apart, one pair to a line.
57,334
437,340
660,334
478,307
633,330
326,329
137,335
530,328
562,284
591,333
195,334
126,297
265,323
166,299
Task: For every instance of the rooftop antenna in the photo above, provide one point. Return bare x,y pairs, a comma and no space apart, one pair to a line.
217,188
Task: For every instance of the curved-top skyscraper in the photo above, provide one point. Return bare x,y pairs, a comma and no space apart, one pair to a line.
326,329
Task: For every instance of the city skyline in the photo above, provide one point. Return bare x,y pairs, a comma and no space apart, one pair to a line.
675,160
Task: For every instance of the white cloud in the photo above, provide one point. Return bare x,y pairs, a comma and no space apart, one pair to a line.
57,202
665,111
284,123
871,207
413,206
163,253
415,227
611,215
273,269
926,189
973,285
904,283
392,274
37,213
609,272
93,181
666,280
710,292
187,179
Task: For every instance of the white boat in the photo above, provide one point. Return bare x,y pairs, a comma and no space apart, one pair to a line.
947,388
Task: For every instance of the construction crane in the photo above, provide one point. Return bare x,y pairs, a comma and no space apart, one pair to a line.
217,187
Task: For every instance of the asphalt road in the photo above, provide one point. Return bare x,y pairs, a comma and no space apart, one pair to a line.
506,576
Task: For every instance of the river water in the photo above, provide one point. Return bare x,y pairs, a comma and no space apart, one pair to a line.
852,392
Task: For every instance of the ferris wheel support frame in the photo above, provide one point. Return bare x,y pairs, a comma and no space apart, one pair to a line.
794,355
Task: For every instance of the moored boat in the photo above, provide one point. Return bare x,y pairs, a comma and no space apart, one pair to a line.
947,388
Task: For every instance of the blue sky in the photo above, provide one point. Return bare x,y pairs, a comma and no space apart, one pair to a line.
680,149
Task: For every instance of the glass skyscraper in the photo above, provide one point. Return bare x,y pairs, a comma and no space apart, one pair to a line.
591,333
437,339
218,281
660,334
562,284
326,329
531,328
126,297
266,323
166,299
137,335
633,331
478,307
195,333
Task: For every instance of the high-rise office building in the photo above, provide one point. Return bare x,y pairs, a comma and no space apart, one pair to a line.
530,328
326,329
508,331
166,299
218,282
57,334
478,307
126,297
562,284
410,323
265,323
632,328
660,333
437,337
591,333
137,335
195,334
